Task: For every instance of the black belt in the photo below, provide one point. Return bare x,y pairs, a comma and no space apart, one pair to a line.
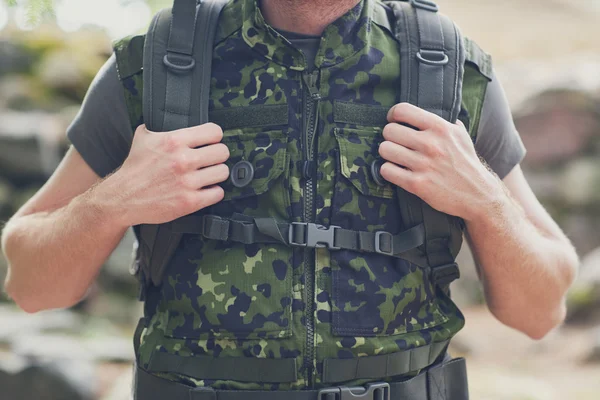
445,381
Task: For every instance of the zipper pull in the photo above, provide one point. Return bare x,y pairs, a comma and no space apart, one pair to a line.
310,80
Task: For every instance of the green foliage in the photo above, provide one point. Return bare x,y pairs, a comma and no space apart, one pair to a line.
36,9
39,9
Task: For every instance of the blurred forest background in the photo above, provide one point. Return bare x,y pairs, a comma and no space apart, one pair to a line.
546,53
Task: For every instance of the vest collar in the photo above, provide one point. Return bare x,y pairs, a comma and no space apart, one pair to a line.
343,38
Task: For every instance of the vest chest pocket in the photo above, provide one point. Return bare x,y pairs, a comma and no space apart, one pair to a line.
258,167
229,289
373,294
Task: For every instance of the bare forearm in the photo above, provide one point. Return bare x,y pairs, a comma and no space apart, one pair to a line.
55,256
525,270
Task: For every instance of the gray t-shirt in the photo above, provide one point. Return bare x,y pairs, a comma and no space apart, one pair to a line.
101,132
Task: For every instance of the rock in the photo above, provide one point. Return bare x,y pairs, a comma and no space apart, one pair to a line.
545,184
6,194
121,389
20,161
60,346
61,70
581,182
582,228
584,296
3,270
467,290
19,92
17,324
22,378
557,126
496,383
62,334
524,79
594,356
15,58
117,267
31,145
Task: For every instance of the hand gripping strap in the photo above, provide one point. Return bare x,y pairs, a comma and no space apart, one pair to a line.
432,67
177,72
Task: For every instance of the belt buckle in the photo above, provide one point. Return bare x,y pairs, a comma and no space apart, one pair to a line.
373,391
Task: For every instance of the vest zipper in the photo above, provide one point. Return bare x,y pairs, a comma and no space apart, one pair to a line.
312,99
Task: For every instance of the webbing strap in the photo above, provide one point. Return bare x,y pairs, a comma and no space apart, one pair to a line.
267,370
432,66
177,73
373,367
180,63
249,230
208,19
445,381
432,58
181,38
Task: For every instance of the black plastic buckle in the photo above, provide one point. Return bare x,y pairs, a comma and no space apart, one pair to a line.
379,248
445,274
179,62
315,236
425,5
210,230
373,391
433,57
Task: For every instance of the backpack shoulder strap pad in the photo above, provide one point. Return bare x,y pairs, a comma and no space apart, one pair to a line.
432,55
177,73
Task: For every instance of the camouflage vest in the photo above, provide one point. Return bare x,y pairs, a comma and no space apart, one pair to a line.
244,302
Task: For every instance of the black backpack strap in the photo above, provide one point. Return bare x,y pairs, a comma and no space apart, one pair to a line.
177,73
432,67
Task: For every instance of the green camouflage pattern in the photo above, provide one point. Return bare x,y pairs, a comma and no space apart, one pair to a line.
233,300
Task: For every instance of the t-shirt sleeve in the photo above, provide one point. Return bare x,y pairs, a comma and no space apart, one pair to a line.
498,141
101,131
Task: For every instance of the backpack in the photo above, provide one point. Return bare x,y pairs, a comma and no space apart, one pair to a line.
176,78
177,58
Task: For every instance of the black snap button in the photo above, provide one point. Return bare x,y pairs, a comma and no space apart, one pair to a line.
242,174
376,172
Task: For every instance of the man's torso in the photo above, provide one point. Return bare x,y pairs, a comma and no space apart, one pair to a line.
271,301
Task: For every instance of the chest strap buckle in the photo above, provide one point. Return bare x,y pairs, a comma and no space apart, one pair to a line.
373,391
304,234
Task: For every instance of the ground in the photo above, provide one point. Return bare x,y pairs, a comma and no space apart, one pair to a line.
506,365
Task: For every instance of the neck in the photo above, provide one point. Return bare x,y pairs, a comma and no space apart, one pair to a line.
309,17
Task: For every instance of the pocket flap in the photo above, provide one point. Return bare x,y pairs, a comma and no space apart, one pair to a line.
358,152
265,152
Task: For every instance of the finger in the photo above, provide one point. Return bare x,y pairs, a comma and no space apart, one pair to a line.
208,196
207,177
201,135
397,175
401,155
403,135
209,155
415,116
